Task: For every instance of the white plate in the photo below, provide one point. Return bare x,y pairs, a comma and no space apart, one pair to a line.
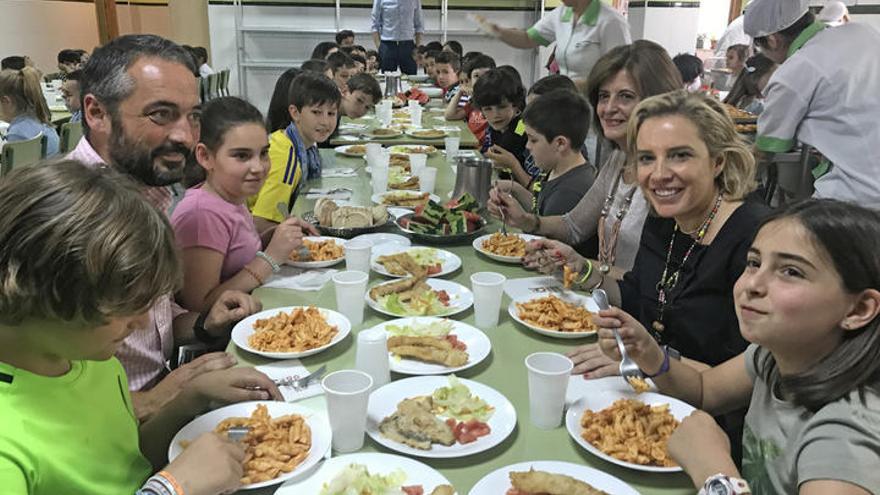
381,238
409,149
384,464
370,134
587,302
377,198
449,262
384,400
343,150
460,297
603,399
413,132
478,245
320,427
245,328
478,348
319,264
498,482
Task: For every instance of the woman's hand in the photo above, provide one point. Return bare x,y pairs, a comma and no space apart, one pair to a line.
514,213
549,256
288,235
591,362
639,344
701,448
210,465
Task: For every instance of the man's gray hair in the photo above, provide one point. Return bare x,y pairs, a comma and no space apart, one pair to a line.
105,75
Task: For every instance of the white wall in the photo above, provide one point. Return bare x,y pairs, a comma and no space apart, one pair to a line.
673,28
40,29
293,48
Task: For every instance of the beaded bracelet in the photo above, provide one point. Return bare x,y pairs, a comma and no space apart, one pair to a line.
271,261
253,274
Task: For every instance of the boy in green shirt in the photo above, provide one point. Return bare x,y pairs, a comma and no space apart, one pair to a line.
75,281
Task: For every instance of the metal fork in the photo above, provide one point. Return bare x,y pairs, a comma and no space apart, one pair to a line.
237,433
628,368
298,383
303,253
503,219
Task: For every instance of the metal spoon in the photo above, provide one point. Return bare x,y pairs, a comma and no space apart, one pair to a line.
628,368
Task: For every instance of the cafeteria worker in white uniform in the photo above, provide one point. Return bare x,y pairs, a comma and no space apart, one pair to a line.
583,30
824,94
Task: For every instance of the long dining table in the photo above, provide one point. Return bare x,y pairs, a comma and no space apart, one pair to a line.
503,370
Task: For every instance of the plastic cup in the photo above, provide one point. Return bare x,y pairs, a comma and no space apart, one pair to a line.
348,394
427,179
379,179
451,143
350,287
417,163
415,116
371,356
357,255
488,287
413,104
373,151
548,380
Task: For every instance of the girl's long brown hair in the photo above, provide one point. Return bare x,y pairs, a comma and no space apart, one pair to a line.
23,87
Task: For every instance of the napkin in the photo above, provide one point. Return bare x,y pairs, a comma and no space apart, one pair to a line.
339,172
352,126
291,367
300,279
324,193
348,137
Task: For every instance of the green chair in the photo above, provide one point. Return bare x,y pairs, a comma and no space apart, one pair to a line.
71,132
213,86
19,154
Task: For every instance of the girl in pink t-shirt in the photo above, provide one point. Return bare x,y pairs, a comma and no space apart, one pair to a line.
221,248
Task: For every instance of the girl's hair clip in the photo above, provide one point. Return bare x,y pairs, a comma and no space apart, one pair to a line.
750,69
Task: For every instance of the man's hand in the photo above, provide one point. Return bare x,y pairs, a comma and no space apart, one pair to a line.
230,308
229,386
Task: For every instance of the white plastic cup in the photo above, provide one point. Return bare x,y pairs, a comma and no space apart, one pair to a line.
371,355
413,104
548,380
357,255
351,285
348,394
415,116
379,179
427,179
373,151
451,143
488,287
417,163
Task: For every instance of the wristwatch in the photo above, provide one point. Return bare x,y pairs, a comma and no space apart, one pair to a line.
721,484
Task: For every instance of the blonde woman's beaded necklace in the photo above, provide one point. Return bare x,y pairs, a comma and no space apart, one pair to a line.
668,280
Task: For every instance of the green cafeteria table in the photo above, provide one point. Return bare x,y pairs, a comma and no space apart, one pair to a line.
503,370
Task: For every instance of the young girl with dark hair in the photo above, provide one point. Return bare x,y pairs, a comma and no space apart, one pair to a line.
220,246
808,302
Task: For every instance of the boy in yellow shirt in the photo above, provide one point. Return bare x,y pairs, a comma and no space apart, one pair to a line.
293,152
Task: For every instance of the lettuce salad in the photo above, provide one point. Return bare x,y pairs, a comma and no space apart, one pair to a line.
437,329
425,304
456,401
355,479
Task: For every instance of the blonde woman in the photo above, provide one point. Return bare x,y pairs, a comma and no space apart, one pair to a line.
695,171
22,105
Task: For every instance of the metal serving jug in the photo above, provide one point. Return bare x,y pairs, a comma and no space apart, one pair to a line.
392,85
474,176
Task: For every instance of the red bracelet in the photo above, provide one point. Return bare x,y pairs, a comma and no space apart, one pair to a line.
170,479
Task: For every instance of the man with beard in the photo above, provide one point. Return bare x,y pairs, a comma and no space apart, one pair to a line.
141,107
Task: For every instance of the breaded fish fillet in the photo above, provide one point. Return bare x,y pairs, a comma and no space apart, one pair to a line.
430,349
552,484
415,425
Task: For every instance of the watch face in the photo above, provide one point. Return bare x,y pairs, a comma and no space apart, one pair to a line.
719,487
